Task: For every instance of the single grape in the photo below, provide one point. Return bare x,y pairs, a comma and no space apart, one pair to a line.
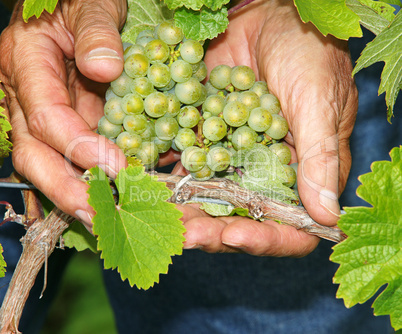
242,77
185,138
162,145
188,92
169,33
260,88
260,119
218,159
193,158
206,115
173,105
211,90
234,96
146,33
235,114
129,142
144,37
282,151
188,117
203,174
250,99
271,103
156,104
202,97
202,72
157,51
191,51
214,128
169,87
142,86
181,70
220,76
148,154
214,104
135,123
279,127
132,103
136,65
244,138
107,129
166,127
291,176
121,86
159,75
132,50
113,111
109,93
149,134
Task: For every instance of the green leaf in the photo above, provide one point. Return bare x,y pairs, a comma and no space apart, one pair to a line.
330,17
143,15
217,210
196,4
203,24
5,126
140,233
2,263
371,256
77,236
386,47
36,7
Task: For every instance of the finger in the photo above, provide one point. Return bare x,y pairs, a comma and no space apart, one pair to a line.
95,26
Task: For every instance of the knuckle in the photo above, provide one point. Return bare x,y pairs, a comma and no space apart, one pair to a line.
37,123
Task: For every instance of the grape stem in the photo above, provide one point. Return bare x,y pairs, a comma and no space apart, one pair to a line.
239,6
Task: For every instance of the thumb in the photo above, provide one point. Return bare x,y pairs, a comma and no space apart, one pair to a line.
98,47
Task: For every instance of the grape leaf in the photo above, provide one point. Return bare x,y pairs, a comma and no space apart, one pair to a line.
77,236
386,47
222,210
139,234
371,256
196,4
203,24
5,126
330,17
143,15
35,7
2,263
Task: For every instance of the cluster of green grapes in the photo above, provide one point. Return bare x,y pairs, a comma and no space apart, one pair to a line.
159,103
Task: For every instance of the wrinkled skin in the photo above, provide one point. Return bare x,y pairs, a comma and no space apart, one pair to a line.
55,103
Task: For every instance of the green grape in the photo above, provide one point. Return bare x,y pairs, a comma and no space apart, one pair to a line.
166,127
113,111
242,77
211,90
244,138
249,99
132,104
279,127
149,134
291,176
218,159
145,33
132,50
282,151
220,76
260,119
173,105
191,51
148,154
232,97
156,104
214,104
144,37
142,86
214,128
168,87
235,114
203,174
162,145
159,74
206,115
185,138
135,123
188,92
157,51
121,86
202,72
129,142
181,70
271,103
169,33
260,88
107,129
136,65
202,97
188,117
109,93
193,158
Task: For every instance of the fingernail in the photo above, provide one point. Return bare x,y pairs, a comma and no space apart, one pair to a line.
193,246
84,217
102,53
329,201
108,170
234,245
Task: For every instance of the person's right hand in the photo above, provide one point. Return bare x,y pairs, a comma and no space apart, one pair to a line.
51,68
